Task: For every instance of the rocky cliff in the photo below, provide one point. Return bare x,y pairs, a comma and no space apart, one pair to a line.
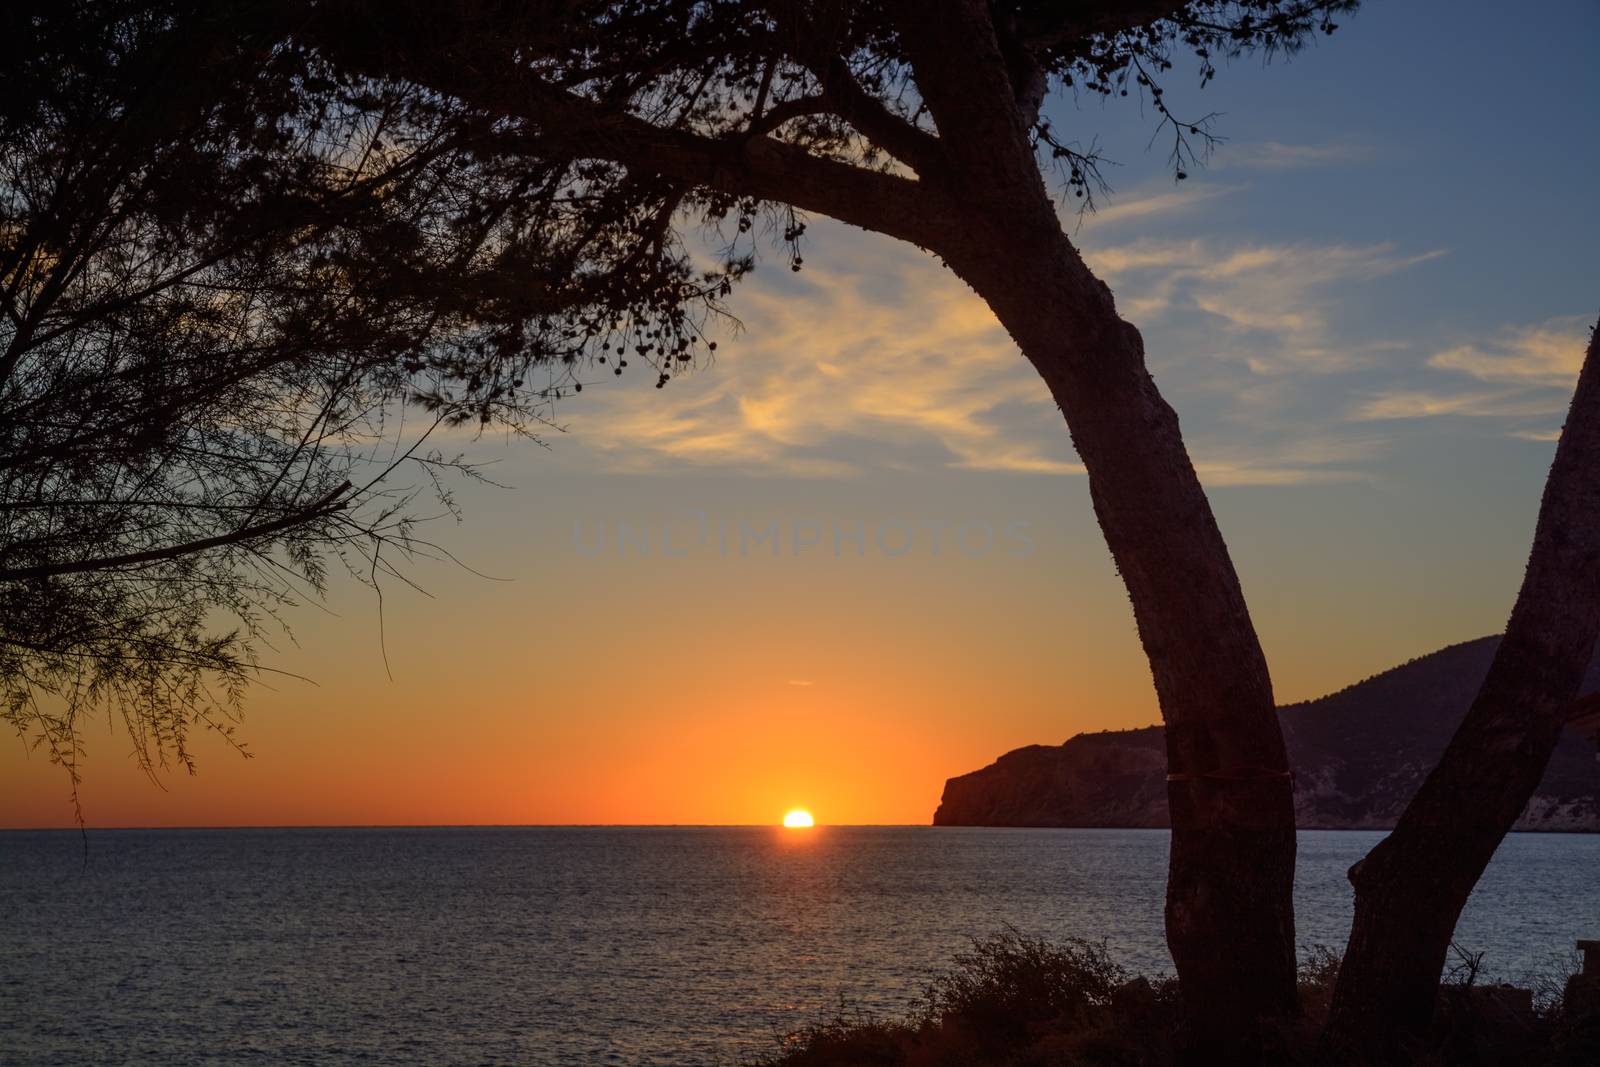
1358,756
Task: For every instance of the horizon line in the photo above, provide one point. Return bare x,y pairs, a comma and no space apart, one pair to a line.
481,826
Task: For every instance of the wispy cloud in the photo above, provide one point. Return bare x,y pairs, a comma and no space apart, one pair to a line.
1275,155
1423,403
1549,354
1529,373
1280,295
1164,198
1255,473
878,358
1305,458
874,353
1147,203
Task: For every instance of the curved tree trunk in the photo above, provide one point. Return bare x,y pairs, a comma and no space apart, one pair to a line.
1230,922
1230,916
1411,888
979,201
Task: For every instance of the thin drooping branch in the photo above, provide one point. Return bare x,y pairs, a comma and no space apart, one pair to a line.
330,504
226,268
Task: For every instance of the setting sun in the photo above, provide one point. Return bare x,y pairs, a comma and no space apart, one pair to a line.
799,818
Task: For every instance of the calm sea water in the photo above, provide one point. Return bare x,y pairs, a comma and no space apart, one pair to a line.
576,946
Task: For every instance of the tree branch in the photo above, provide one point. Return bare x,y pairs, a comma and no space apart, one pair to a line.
810,46
759,167
328,505
557,123
961,75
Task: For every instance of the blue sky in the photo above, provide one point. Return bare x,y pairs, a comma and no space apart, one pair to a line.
1368,310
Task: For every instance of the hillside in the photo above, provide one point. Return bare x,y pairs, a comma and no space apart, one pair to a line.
1358,755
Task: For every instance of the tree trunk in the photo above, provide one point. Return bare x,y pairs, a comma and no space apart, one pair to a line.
1411,888
1229,914
1230,910
980,201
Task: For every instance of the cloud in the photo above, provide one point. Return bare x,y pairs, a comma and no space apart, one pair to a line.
1147,203
1230,474
872,357
1305,458
1279,298
1166,197
877,358
1423,403
1529,372
1274,155
1549,354
1024,460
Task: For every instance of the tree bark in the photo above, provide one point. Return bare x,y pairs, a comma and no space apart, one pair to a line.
1411,888
1229,913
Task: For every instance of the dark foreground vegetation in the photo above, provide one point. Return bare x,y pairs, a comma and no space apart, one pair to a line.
1018,1002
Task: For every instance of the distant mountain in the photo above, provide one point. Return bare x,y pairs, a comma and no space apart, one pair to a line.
1358,755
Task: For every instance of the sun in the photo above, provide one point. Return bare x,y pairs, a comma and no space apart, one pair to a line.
798,819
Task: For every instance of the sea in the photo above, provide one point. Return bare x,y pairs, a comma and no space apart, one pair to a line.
555,946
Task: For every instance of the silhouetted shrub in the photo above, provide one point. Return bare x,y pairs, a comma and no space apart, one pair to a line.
1010,983
1319,970
1015,1001
1012,1001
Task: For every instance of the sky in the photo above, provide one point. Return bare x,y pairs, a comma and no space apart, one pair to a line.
855,556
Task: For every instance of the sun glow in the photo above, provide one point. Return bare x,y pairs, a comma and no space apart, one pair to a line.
798,819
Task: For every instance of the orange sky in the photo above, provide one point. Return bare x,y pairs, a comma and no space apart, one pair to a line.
718,688
728,684
1370,369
